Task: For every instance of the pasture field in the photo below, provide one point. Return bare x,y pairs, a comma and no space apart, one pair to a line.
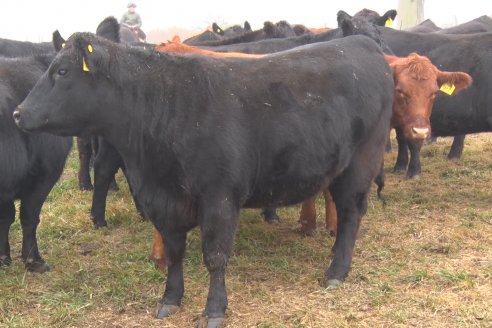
422,260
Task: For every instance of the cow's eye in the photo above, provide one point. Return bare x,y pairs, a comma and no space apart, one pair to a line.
62,71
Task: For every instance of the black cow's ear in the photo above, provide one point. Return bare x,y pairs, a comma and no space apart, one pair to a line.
341,16
388,17
247,27
109,29
347,27
216,28
58,41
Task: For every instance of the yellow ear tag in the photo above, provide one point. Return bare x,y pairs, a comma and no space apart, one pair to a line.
84,65
448,88
388,22
63,45
89,47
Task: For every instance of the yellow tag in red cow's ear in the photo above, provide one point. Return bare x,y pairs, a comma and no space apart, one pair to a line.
448,88
388,22
84,65
63,45
89,47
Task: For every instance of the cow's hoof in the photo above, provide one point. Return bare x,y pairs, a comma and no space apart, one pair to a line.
38,266
399,170
307,231
100,224
413,177
206,322
5,260
274,220
331,283
453,158
88,187
114,188
165,310
159,263
332,232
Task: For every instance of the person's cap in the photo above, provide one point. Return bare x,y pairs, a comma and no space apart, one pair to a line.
131,4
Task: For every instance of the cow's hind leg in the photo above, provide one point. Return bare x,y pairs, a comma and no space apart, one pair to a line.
308,216
330,213
349,191
107,162
158,255
270,215
31,203
457,148
175,245
7,217
219,219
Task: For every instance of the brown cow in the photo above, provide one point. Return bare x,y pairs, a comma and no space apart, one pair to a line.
417,82
175,47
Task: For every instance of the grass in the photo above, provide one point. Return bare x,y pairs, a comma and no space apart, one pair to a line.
423,260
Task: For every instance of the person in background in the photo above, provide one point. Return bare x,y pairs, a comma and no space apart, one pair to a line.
133,20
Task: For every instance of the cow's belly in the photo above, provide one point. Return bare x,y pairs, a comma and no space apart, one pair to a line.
286,192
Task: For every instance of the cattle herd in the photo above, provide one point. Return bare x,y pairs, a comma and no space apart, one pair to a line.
233,119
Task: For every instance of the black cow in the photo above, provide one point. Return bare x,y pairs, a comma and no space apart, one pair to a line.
14,48
427,26
281,29
276,45
30,164
468,112
203,137
477,25
217,33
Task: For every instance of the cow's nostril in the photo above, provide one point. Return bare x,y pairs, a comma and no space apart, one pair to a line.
16,115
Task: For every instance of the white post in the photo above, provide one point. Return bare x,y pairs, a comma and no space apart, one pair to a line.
410,13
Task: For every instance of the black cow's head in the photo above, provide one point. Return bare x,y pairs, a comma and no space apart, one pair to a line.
370,16
74,90
357,25
281,29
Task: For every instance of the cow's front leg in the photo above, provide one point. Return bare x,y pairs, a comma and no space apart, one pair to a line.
218,225
7,217
402,156
175,245
414,168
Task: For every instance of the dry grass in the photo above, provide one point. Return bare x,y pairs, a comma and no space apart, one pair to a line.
424,260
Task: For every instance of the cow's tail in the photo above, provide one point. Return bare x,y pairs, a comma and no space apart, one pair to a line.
379,181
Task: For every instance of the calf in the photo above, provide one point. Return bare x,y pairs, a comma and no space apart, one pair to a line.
30,163
203,137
